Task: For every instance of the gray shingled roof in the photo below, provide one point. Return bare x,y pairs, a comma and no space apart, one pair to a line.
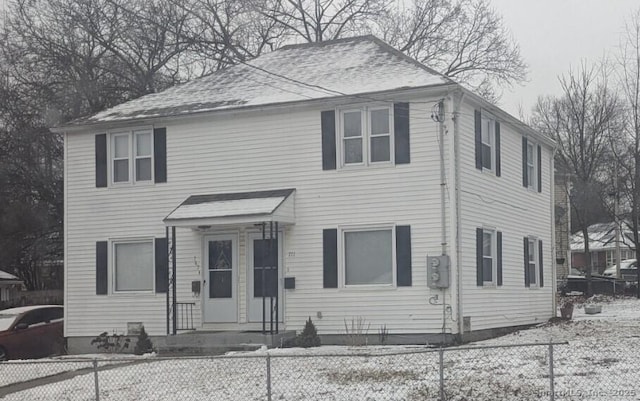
352,66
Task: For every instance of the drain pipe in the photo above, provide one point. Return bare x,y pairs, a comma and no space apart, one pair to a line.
456,98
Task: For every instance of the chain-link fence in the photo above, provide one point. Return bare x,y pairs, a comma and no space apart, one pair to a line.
554,371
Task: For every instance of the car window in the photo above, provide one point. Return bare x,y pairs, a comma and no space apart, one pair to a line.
33,317
6,320
51,314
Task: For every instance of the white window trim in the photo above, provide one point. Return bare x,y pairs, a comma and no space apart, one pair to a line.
536,261
365,121
131,133
532,183
112,264
494,257
484,116
342,272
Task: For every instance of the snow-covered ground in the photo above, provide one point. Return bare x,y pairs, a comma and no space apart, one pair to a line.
600,362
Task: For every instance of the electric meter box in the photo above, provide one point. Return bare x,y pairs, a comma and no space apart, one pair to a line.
438,271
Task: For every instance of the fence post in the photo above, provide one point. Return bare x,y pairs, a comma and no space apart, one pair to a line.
95,378
268,377
441,363
552,395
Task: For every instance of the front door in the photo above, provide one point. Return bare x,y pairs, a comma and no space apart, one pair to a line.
220,276
264,276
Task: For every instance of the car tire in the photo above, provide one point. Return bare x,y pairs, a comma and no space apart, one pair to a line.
3,354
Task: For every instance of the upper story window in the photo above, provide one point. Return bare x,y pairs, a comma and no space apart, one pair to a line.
531,165
132,156
487,142
366,134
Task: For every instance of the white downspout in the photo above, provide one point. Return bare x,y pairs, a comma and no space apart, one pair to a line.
456,99
554,282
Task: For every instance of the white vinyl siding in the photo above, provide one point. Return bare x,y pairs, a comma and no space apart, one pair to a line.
231,154
506,204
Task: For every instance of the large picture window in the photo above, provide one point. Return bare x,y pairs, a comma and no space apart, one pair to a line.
366,135
132,156
133,266
368,257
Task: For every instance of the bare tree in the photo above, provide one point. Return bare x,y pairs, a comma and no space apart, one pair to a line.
463,39
626,143
580,121
320,20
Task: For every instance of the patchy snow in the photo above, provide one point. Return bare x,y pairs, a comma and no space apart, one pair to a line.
229,208
352,66
598,362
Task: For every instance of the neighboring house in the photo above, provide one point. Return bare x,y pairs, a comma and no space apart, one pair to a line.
10,287
602,247
308,182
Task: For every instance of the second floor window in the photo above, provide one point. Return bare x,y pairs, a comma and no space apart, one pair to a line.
488,141
366,135
132,156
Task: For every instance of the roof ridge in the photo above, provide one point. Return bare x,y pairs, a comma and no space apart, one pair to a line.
327,42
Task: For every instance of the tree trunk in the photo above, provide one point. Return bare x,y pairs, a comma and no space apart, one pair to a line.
587,258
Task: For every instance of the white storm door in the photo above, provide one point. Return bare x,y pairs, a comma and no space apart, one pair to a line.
264,275
220,279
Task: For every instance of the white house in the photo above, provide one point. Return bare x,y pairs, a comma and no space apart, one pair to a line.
10,287
312,181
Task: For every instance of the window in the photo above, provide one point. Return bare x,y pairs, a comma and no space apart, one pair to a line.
532,267
366,135
368,257
488,256
132,156
531,166
133,266
488,141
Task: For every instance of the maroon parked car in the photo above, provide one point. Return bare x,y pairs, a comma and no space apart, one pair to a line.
31,332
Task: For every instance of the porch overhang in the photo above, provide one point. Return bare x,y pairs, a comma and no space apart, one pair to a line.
199,211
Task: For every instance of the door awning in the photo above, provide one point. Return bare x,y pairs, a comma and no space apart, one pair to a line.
234,208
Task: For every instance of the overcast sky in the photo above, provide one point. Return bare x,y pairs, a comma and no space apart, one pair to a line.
555,35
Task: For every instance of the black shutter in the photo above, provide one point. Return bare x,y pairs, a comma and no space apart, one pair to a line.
160,154
401,133
525,178
478,127
403,256
526,262
101,160
541,265
498,171
539,169
499,256
330,258
102,280
328,123
162,265
479,259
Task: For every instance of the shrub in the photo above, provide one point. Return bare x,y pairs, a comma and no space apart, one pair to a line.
306,339
144,344
114,343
